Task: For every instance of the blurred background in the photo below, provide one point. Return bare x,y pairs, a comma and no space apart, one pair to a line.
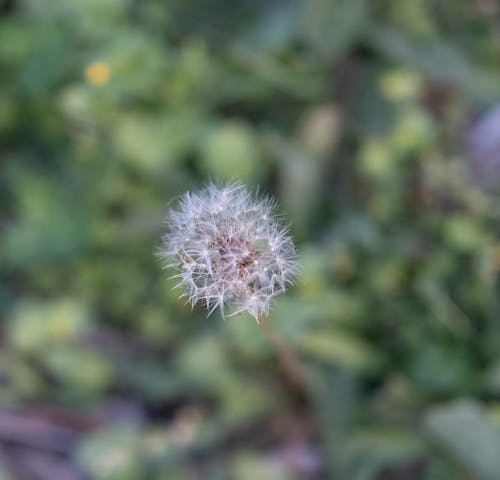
375,124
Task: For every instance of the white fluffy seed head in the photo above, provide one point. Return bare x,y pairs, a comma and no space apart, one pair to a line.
230,249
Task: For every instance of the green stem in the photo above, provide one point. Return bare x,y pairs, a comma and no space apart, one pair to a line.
288,358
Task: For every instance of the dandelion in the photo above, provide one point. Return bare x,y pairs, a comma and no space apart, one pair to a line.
230,250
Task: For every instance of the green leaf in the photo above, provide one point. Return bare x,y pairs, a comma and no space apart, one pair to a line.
35,326
231,151
331,26
340,348
439,59
112,454
463,430
370,451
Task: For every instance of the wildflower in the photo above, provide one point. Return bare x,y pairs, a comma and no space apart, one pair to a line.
230,249
97,73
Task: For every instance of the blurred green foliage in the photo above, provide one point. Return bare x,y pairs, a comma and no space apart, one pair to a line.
353,113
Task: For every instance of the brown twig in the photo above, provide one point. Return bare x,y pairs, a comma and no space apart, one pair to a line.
288,358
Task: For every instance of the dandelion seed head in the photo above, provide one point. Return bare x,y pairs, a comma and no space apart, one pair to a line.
230,249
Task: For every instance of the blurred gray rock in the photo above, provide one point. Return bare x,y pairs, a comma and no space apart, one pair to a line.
484,149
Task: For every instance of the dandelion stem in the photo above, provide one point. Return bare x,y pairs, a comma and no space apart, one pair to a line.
288,358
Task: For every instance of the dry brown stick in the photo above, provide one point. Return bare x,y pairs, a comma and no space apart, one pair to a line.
288,358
